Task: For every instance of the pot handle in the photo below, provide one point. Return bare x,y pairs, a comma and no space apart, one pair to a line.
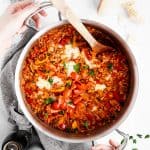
124,141
123,144
42,6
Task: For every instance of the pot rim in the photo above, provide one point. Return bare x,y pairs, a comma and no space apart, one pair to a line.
34,122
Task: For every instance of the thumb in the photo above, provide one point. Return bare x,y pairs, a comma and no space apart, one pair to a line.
113,143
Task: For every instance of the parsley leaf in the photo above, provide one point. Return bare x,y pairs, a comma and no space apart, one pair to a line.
50,80
86,124
139,135
70,102
85,67
110,66
61,112
46,115
134,141
68,83
68,130
76,68
130,137
65,65
91,72
50,100
147,136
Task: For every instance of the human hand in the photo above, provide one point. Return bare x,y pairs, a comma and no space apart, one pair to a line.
12,21
113,146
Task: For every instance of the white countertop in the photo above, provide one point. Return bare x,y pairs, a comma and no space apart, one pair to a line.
137,36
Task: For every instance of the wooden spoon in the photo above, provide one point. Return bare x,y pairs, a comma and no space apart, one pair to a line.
66,11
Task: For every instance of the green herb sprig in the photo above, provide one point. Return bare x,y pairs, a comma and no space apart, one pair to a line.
49,100
134,139
76,68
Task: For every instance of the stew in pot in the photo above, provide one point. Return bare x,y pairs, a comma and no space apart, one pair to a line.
70,90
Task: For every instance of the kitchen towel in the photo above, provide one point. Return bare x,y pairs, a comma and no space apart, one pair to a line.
7,77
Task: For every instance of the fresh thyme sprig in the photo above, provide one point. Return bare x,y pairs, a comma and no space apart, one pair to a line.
134,139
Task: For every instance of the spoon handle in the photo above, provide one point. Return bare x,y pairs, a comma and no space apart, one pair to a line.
74,20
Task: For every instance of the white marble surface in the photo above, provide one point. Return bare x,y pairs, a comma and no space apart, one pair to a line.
137,36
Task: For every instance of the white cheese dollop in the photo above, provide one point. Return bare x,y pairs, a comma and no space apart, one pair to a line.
57,80
94,108
69,67
108,77
71,52
101,87
42,83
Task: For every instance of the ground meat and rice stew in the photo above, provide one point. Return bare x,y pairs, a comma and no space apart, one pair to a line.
70,90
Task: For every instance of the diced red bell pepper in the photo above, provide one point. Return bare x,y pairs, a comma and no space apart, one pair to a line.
77,100
62,126
56,106
75,76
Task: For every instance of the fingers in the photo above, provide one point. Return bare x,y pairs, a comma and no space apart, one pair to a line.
19,5
22,10
113,143
36,18
27,11
102,147
43,13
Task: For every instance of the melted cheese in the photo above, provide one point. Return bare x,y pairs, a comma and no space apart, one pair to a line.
100,87
40,93
69,67
94,108
108,77
71,52
57,80
42,83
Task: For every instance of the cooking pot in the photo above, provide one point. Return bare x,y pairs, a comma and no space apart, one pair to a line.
70,137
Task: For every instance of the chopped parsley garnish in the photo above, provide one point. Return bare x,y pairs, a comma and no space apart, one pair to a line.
61,112
147,136
68,130
85,67
130,137
50,80
53,62
46,115
47,71
122,141
50,100
91,72
68,83
64,64
76,68
139,135
86,124
75,130
134,141
110,66
70,103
